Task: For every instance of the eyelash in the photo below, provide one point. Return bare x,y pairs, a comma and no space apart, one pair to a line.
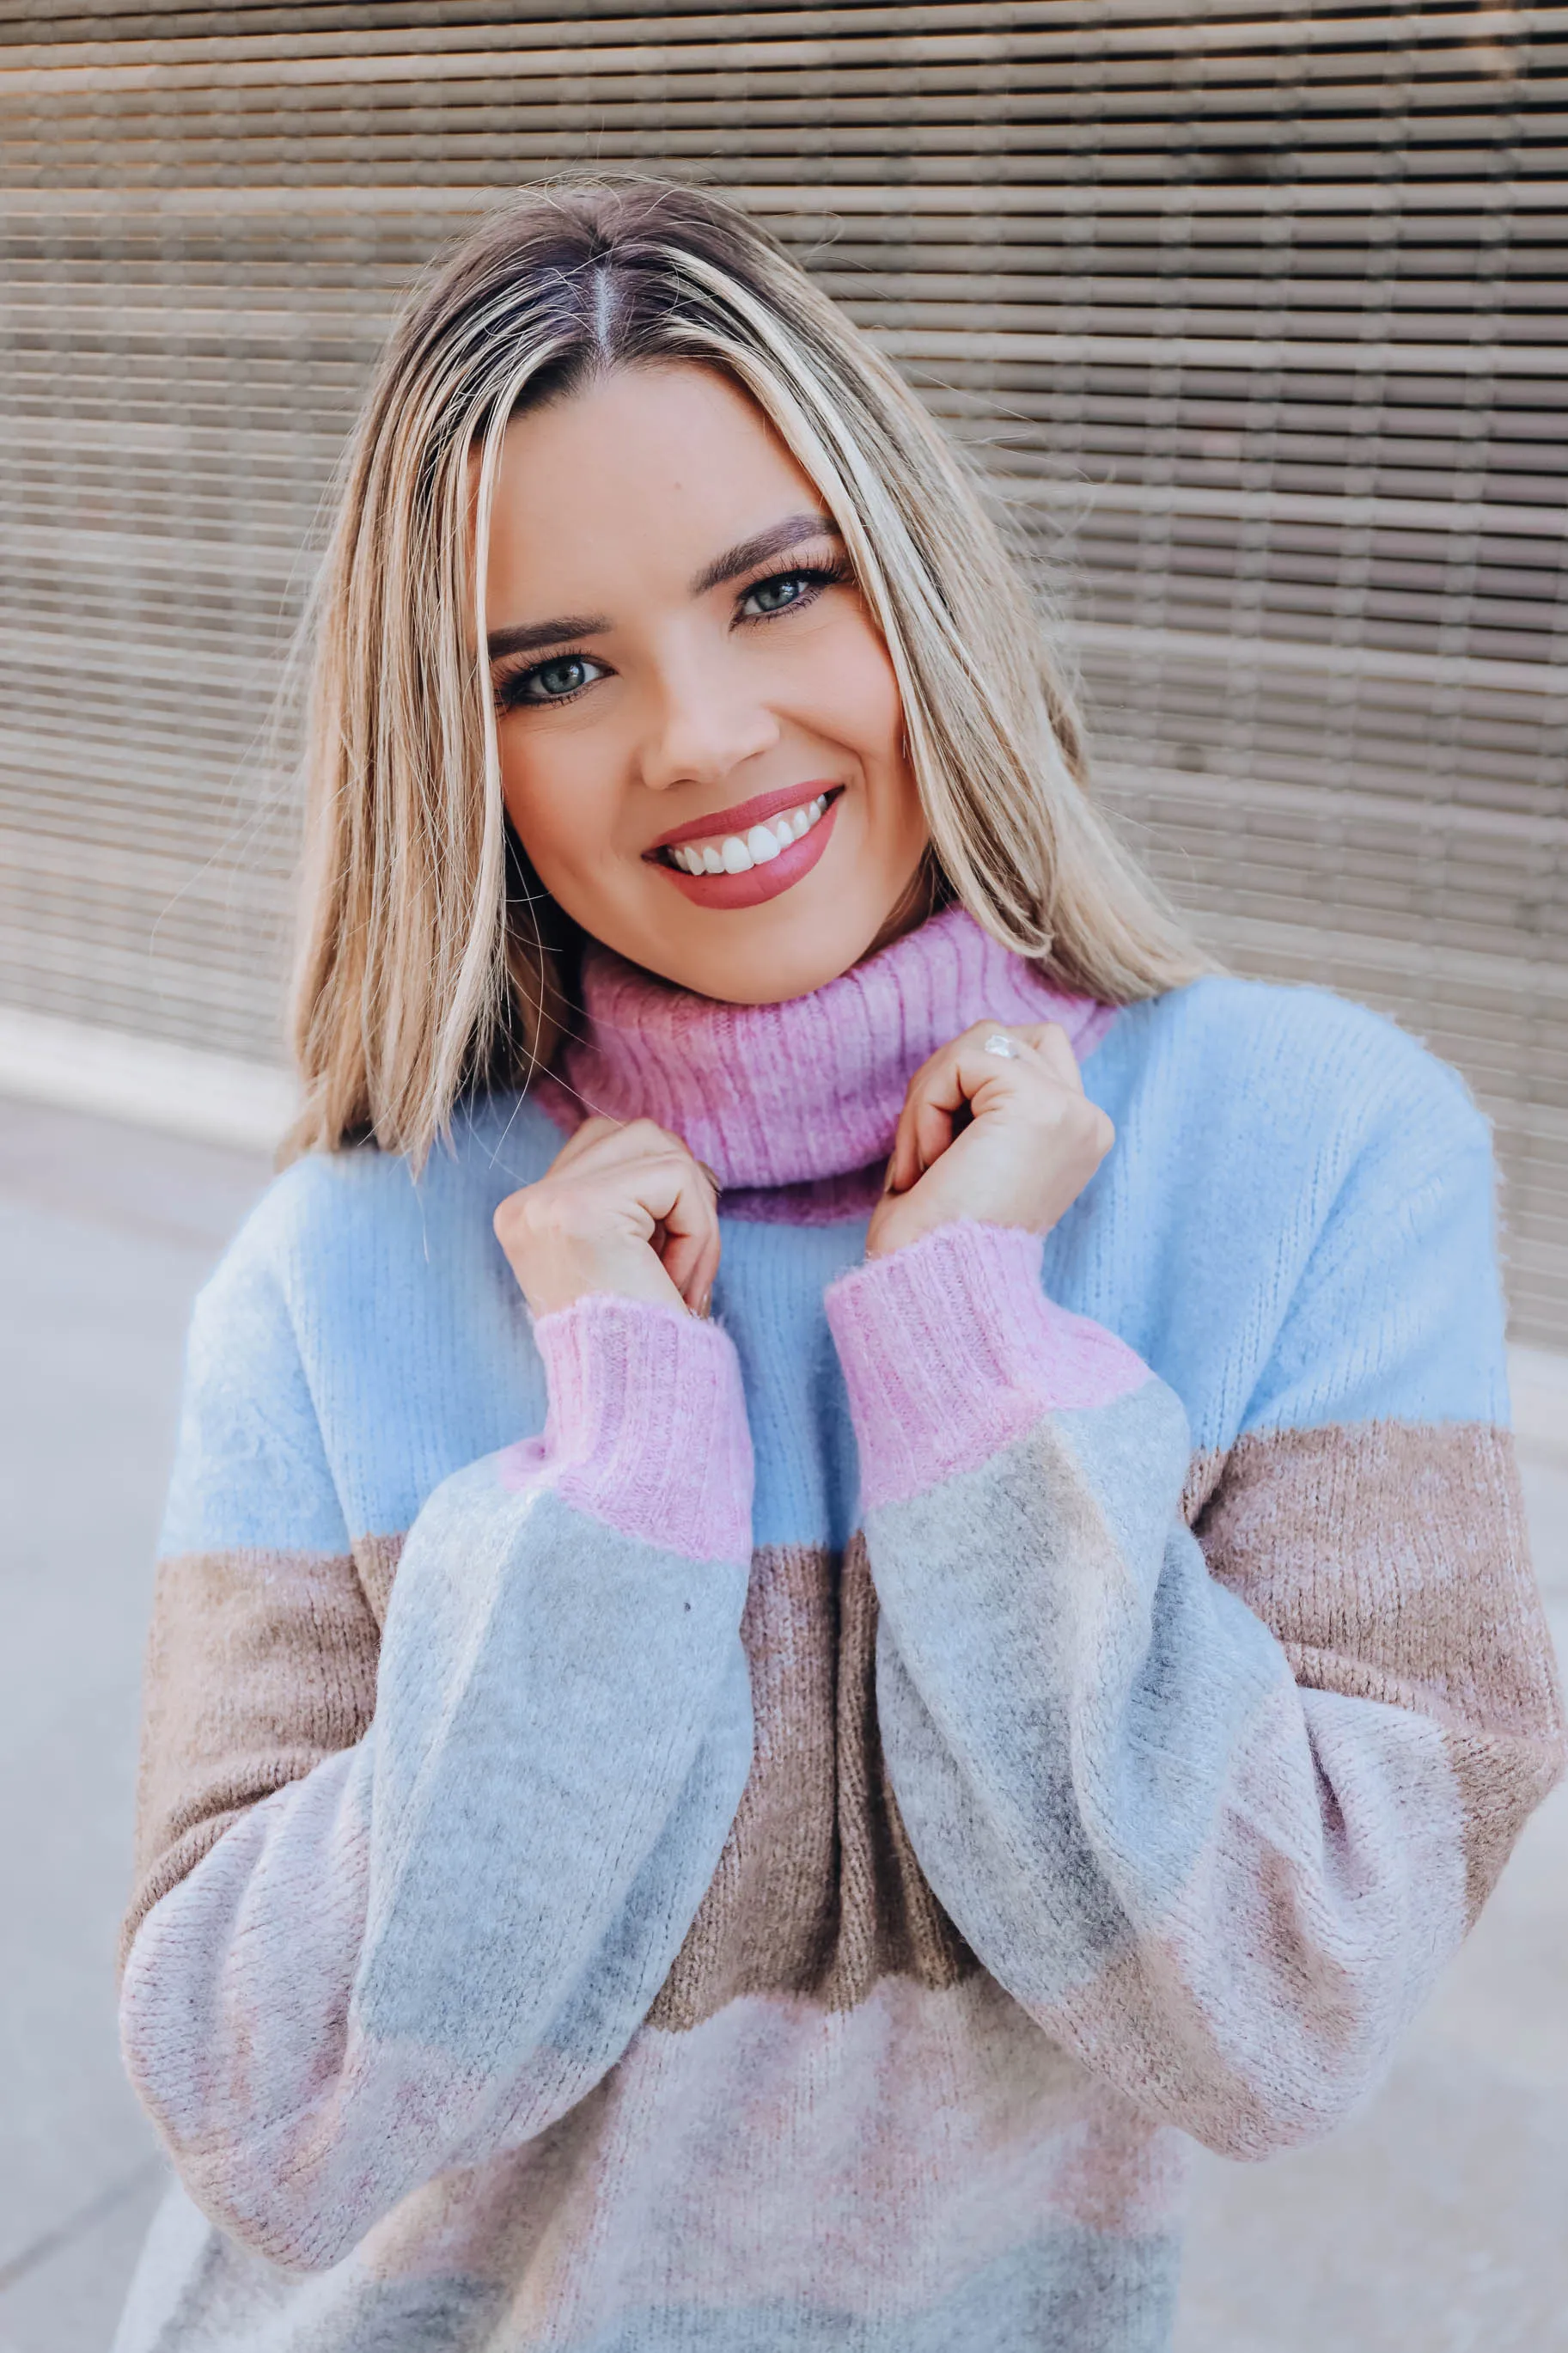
835,573
511,693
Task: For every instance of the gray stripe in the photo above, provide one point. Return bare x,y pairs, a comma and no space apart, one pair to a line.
1073,2291
1058,1567
1069,2291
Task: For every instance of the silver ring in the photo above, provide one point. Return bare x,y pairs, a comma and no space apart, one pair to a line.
1005,1048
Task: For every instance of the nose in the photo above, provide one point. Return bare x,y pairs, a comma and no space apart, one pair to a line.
705,721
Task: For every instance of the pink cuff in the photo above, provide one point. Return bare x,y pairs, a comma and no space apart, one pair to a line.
647,1426
950,1350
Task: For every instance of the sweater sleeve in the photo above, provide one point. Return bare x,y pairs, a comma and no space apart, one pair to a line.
1216,1823
394,1915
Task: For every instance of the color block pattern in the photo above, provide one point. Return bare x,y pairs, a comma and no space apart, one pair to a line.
1391,1560
770,1833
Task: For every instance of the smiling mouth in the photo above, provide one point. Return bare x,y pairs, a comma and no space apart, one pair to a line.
737,853
724,869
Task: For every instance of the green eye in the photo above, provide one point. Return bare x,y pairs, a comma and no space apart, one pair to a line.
554,679
772,596
560,679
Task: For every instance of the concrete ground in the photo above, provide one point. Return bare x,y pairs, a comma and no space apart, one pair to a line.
1434,2224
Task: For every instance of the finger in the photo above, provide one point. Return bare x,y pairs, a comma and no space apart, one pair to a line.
689,1246
706,1272
604,1143
904,1166
933,1114
923,1132
697,1291
678,1200
969,1071
659,1170
690,1259
950,1082
583,1139
1050,1041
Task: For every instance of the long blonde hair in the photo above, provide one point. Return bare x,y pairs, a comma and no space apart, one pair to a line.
430,961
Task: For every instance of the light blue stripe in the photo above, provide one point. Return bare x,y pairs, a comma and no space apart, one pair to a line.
1259,1234
770,1298
1261,1130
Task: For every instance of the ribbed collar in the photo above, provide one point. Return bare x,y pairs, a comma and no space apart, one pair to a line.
811,1089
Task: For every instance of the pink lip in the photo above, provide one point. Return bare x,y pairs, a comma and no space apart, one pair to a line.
759,883
756,811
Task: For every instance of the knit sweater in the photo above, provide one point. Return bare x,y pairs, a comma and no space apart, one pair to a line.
767,1834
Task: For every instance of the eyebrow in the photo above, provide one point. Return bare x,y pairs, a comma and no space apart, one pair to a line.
771,542
535,637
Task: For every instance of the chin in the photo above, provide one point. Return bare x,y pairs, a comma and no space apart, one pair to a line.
777,962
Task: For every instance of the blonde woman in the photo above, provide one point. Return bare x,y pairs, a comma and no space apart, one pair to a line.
844,1554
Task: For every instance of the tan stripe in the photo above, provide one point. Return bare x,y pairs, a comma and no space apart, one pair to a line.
1391,1560
259,1664
1203,1477
817,1893
376,1559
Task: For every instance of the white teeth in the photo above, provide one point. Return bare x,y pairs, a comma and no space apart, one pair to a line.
735,855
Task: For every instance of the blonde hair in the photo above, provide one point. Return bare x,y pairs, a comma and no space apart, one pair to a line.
430,961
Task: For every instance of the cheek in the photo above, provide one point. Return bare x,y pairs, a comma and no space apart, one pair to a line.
526,795
549,797
856,695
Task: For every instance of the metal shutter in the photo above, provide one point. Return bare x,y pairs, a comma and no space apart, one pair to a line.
1254,312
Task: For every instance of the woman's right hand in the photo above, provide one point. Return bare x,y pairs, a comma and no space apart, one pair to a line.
624,1208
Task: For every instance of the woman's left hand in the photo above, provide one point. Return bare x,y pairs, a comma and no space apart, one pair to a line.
1031,1142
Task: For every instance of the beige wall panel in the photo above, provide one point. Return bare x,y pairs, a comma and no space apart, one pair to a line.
1254,317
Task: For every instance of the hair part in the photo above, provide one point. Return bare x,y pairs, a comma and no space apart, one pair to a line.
430,960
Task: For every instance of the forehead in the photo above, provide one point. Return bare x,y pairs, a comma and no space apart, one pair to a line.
649,471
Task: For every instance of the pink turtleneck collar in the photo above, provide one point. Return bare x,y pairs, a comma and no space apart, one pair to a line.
809,1090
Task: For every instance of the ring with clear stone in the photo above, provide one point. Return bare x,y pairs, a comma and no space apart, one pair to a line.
1006,1048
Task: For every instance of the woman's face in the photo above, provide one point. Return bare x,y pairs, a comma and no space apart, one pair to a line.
700,733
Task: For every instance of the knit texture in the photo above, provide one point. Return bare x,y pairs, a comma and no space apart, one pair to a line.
768,1835
935,1388
621,1377
782,1095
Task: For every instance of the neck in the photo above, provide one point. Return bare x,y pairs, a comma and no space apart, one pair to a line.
805,1090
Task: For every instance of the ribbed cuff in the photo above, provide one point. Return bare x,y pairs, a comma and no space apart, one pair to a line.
950,1350
646,1427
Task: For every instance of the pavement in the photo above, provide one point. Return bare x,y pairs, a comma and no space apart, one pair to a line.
1434,2223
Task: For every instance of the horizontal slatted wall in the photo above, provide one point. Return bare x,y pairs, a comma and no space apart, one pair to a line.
1254,315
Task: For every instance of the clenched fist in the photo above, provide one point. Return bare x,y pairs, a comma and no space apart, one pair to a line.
997,1126
620,1208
